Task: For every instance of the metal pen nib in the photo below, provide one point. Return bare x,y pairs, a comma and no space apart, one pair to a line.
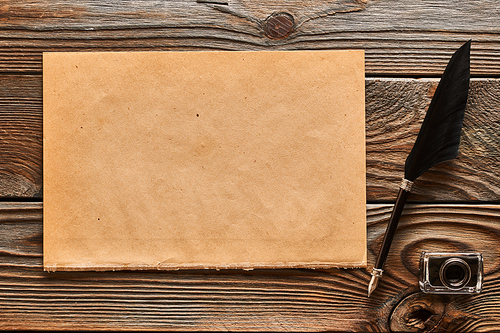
376,274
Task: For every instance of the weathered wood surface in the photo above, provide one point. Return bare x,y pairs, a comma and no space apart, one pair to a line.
276,300
21,136
395,109
403,40
400,37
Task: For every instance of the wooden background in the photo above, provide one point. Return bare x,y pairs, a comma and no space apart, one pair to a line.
455,206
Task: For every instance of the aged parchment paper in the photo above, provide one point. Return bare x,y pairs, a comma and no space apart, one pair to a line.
167,160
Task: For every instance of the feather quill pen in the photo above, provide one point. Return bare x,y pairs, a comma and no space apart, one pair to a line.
437,141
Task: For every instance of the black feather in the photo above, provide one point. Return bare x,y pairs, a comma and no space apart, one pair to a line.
439,136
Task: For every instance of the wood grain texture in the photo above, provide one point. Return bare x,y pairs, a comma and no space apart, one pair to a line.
400,37
259,300
395,109
20,136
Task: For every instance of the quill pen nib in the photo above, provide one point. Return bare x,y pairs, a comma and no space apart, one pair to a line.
373,284
376,274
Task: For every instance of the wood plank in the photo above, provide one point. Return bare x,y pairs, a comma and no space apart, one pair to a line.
395,109
400,37
263,300
394,112
21,136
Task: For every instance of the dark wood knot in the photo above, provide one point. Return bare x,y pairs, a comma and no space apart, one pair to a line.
417,312
431,313
279,25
